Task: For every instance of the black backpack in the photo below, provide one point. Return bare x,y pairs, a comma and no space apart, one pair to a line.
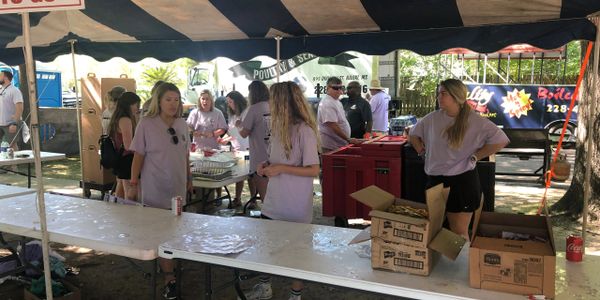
109,156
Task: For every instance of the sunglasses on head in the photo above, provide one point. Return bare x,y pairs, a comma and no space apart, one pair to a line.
174,138
337,87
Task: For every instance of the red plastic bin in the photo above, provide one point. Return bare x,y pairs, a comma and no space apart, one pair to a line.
349,169
387,146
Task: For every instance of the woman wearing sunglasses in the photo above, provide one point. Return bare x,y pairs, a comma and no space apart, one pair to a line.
161,156
293,164
206,122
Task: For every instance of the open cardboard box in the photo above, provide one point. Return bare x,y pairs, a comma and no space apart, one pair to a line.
403,243
520,267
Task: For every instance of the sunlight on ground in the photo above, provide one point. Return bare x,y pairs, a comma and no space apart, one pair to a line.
75,249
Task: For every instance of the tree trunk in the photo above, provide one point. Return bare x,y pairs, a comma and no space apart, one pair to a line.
572,202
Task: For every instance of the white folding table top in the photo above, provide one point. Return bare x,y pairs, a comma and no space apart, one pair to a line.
124,230
322,254
45,156
7,191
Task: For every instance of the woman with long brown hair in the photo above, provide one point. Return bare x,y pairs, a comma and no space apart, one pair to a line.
452,140
256,127
121,129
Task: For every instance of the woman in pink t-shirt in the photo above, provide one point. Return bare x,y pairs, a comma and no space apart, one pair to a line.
293,164
206,122
452,140
236,109
161,146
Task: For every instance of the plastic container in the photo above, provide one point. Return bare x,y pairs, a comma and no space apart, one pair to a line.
350,169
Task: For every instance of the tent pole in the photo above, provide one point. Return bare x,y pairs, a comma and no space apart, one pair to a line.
462,67
519,67
564,74
278,41
507,68
532,66
542,69
478,63
590,133
485,67
35,141
78,112
558,67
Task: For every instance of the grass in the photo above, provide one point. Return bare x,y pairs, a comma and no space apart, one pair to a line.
69,168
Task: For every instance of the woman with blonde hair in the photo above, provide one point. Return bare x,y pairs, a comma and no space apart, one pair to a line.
293,164
161,157
452,140
206,122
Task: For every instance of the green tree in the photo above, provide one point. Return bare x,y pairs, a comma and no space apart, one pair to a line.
167,73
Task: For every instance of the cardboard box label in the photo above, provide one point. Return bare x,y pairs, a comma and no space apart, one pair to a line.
512,268
399,232
401,258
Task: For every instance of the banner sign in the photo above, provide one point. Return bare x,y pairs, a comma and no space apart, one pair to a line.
253,70
522,106
20,6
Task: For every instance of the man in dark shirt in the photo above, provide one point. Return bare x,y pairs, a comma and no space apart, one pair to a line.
358,111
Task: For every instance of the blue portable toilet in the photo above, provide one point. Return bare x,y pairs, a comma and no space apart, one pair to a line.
48,82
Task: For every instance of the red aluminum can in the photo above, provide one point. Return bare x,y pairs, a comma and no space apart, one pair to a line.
176,205
574,248
193,147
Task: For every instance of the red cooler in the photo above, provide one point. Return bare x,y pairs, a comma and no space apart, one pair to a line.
351,168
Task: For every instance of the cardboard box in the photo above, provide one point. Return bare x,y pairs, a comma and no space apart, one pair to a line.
404,235
402,258
520,267
75,293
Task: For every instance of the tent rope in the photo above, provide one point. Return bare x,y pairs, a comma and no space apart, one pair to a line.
548,175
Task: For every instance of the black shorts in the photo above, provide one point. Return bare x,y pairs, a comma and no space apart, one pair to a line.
465,190
123,168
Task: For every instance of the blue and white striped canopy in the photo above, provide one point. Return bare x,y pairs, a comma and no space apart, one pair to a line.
243,29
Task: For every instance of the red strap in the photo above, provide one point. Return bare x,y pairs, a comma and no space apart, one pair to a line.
564,129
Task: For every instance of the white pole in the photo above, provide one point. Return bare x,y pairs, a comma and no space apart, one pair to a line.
78,112
278,41
507,68
35,141
590,133
484,68
532,66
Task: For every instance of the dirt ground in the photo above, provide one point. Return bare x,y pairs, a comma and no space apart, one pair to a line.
106,276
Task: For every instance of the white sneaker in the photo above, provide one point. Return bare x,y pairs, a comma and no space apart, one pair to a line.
261,291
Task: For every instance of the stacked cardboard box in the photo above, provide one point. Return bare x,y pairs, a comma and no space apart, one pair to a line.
403,243
523,266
